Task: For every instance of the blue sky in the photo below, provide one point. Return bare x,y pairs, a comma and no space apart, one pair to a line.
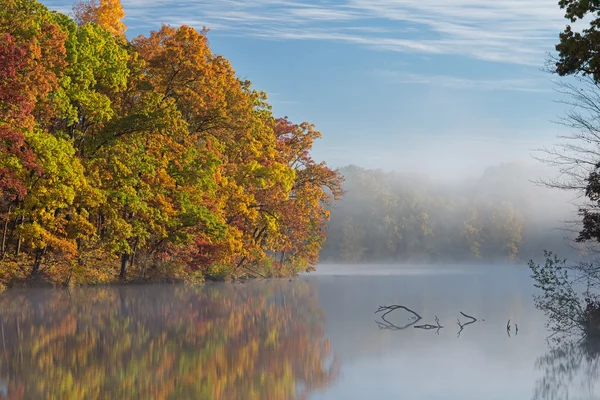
438,86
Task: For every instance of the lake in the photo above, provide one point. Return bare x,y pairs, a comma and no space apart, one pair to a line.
314,337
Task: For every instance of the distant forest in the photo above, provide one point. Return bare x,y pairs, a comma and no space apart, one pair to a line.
500,216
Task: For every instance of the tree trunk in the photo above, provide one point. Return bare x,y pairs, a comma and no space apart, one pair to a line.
4,231
101,229
39,256
124,260
260,233
135,246
239,264
20,236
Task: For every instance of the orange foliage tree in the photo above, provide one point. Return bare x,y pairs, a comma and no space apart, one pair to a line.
108,14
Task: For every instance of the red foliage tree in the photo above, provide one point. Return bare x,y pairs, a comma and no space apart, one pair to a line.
15,109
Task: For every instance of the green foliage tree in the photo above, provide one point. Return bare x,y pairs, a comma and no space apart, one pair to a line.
578,160
568,311
577,50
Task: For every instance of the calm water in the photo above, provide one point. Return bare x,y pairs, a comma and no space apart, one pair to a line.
316,337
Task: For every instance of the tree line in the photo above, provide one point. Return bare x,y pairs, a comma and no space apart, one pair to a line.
145,158
500,216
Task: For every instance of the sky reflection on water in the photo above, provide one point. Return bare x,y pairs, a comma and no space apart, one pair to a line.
484,362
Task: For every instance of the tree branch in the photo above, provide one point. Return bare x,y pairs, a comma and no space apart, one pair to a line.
428,327
462,326
388,325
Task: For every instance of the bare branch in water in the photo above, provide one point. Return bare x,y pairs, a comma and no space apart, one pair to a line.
468,316
388,325
428,327
462,326
395,307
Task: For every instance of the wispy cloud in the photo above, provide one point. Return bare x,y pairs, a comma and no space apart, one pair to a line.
510,31
521,84
517,31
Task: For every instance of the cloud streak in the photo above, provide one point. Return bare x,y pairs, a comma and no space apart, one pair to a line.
531,84
509,31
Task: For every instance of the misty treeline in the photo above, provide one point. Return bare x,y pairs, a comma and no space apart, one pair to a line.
500,216
146,158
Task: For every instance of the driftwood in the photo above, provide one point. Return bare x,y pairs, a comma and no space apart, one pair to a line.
385,324
429,327
388,325
508,328
394,308
462,326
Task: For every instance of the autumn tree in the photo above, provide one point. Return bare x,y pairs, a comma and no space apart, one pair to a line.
304,214
106,13
256,168
180,67
40,71
147,159
15,118
16,157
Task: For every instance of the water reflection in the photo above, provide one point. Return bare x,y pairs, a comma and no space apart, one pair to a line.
385,356
269,340
250,341
569,368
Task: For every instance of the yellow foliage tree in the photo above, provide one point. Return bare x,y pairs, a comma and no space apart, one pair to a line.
108,14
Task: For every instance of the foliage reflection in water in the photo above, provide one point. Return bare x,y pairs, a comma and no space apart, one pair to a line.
569,368
223,341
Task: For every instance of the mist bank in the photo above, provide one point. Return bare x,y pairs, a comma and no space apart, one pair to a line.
500,216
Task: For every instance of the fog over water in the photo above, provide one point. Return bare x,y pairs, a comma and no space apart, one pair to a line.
482,362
